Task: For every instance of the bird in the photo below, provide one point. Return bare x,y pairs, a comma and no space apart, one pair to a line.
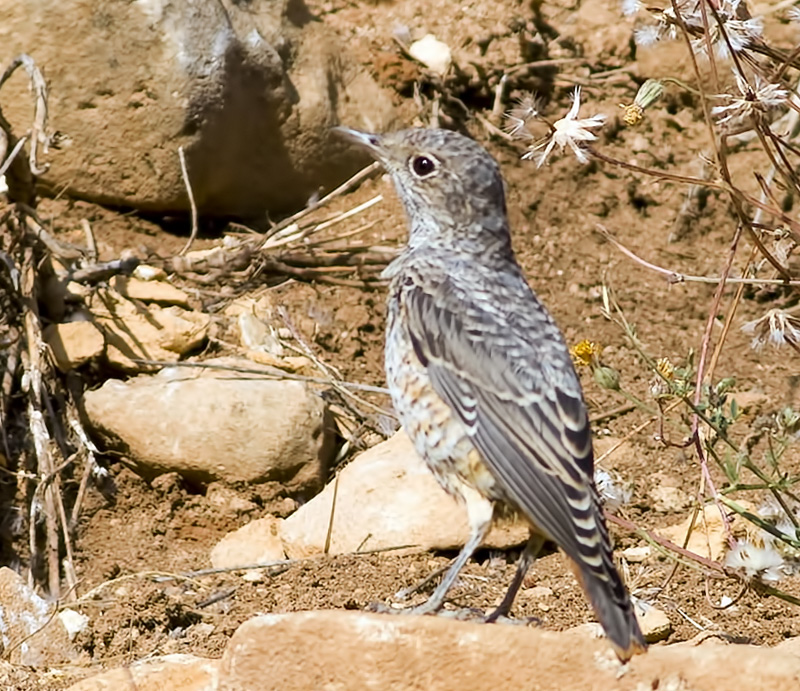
480,375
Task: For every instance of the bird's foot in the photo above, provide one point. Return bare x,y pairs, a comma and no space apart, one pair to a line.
472,614
506,620
461,614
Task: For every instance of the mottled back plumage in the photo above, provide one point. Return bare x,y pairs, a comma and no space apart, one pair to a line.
480,374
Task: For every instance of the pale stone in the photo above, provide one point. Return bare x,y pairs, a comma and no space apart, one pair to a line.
636,555
356,650
74,343
667,499
387,498
258,542
708,538
29,632
432,53
74,622
655,624
214,425
177,672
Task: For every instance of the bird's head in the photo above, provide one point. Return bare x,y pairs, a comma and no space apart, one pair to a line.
450,186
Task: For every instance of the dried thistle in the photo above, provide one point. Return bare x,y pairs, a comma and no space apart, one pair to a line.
570,131
777,327
752,103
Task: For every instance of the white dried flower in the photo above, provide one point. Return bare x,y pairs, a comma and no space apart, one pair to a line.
527,108
793,14
762,563
612,492
647,34
758,100
631,7
571,131
777,327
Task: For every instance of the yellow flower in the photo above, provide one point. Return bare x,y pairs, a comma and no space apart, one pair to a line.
634,114
585,353
648,94
665,368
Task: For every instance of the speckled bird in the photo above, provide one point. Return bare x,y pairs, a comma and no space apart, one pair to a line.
480,375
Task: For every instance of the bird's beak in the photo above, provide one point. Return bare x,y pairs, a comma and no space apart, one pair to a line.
364,140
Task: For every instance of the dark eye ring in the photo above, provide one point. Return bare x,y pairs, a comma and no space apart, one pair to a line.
423,165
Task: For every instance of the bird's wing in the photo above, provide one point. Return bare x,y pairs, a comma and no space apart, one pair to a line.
509,378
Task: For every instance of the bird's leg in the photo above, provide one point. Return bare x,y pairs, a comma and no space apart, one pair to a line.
529,554
480,512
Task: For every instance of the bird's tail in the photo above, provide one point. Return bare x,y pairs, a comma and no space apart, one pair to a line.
603,586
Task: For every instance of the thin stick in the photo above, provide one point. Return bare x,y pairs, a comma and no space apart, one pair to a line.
187,184
346,186
91,244
17,148
663,542
41,436
675,277
273,241
329,531
271,372
91,464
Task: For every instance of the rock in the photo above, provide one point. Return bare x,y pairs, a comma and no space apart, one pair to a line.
74,343
250,90
708,537
636,555
432,53
228,500
74,622
356,650
258,542
22,614
153,333
174,672
216,426
387,497
655,624
159,292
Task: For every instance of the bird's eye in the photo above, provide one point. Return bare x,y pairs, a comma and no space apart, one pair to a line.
423,166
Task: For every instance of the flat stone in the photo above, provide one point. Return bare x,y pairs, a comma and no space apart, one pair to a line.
258,542
637,555
667,499
177,672
655,624
154,333
708,538
74,343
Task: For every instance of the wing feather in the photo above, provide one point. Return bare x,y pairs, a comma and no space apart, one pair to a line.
532,431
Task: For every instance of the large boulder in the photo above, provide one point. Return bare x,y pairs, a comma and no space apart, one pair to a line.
354,650
249,89
216,426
